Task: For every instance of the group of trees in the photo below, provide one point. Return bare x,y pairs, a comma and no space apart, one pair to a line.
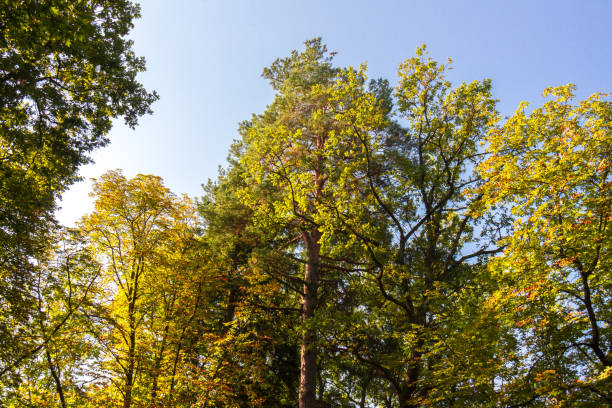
367,245
66,70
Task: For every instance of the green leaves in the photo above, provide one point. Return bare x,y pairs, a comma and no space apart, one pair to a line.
342,258
67,69
552,168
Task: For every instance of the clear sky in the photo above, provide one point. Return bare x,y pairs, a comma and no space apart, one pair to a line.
205,58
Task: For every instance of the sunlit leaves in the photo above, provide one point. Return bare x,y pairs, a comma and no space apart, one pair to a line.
143,236
66,71
551,167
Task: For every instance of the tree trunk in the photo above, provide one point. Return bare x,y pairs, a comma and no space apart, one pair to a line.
595,339
129,375
406,397
364,390
406,401
158,364
131,357
308,358
56,377
409,388
55,372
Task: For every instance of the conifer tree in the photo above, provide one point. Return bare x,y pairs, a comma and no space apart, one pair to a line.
296,153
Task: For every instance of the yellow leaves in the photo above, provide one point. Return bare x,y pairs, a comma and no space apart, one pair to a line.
603,165
605,374
548,166
494,302
563,262
564,93
534,161
422,50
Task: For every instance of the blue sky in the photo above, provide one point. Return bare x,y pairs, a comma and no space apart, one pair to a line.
205,58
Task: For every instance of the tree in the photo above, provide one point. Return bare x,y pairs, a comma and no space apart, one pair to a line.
67,281
141,234
551,167
421,323
294,153
251,347
66,70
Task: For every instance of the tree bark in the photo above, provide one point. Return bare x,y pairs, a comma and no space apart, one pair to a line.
409,389
595,343
56,378
129,375
364,390
132,297
158,364
407,394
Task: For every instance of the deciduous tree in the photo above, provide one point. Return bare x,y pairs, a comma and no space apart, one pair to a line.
425,330
551,167
141,234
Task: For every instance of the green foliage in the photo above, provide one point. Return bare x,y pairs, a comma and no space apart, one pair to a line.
46,369
552,168
296,154
66,70
426,332
253,351
367,245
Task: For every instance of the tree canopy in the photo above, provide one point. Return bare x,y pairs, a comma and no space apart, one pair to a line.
551,167
67,69
370,243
